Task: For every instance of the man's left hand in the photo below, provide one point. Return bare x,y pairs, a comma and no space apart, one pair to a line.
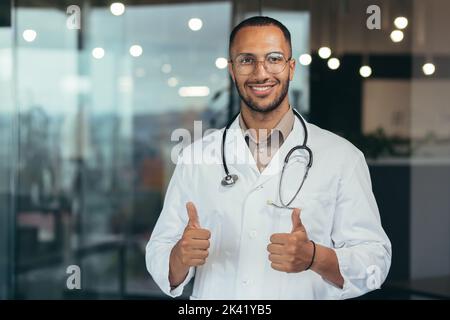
291,252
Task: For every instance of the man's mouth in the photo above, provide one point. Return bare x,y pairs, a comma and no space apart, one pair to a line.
262,89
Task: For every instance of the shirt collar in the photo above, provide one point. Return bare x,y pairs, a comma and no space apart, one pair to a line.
284,126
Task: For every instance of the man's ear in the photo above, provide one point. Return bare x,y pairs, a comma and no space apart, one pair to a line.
231,71
291,69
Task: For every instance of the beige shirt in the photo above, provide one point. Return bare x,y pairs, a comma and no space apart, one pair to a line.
268,144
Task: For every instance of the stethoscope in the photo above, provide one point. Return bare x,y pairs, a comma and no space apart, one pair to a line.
230,179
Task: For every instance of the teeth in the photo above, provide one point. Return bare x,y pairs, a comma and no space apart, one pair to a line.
260,88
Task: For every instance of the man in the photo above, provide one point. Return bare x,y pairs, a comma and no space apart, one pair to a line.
328,243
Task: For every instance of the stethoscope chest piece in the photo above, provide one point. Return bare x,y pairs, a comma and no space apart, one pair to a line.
229,180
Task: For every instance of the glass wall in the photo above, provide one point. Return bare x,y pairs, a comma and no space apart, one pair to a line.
90,96
8,154
94,109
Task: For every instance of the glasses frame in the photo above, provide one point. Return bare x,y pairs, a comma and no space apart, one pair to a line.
233,63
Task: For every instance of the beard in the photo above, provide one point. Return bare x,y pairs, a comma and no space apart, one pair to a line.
275,103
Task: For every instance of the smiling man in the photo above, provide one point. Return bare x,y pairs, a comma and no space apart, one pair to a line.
298,221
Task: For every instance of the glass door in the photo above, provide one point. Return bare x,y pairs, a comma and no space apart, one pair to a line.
8,153
90,95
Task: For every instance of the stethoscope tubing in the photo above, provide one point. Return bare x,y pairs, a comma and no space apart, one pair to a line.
230,180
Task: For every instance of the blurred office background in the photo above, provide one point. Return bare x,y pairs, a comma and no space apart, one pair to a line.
86,117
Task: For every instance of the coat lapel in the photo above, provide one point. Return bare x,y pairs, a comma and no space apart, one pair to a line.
238,155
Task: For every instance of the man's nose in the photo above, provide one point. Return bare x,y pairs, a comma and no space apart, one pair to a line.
260,71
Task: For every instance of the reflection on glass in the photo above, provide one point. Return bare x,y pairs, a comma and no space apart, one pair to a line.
8,155
86,118
95,109
95,136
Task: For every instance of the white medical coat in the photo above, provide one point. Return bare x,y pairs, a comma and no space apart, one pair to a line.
338,210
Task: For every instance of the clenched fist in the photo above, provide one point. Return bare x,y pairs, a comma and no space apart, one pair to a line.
191,250
291,252
194,244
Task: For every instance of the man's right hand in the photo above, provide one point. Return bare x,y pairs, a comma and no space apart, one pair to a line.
191,250
194,244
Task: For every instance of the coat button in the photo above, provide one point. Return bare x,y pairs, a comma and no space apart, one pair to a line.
253,234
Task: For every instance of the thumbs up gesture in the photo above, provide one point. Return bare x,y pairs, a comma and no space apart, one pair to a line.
291,252
192,248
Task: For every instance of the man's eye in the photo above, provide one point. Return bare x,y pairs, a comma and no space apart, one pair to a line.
246,60
275,59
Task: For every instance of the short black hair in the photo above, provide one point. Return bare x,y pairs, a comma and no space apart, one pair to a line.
257,21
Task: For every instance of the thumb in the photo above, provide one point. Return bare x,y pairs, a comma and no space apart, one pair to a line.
296,221
192,214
